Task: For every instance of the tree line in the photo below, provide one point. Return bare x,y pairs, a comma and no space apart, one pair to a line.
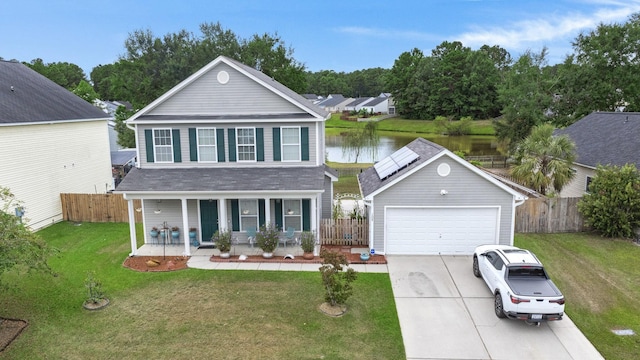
453,81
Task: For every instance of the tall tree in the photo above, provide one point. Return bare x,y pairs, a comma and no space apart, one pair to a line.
126,136
525,96
100,78
362,138
544,161
400,82
65,74
85,91
601,74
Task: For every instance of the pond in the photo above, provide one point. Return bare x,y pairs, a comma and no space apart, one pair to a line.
471,145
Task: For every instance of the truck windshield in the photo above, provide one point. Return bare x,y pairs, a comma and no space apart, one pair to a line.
522,271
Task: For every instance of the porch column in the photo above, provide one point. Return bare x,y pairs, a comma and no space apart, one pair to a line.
267,212
314,221
132,227
185,227
222,216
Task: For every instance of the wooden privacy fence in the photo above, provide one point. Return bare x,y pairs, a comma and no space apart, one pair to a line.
549,215
97,208
351,232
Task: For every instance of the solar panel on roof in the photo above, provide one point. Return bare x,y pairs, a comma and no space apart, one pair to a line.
394,162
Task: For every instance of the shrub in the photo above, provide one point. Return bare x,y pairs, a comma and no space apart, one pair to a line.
337,283
454,128
222,239
94,288
612,205
267,238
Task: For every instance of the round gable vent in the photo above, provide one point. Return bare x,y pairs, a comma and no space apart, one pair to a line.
444,169
223,77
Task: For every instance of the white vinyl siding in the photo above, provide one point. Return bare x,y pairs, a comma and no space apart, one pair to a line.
246,144
162,146
41,161
290,143
207,147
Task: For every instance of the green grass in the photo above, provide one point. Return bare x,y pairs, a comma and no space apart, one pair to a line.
188,314
600,279
335,126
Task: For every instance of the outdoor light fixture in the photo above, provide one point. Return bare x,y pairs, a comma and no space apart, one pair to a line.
157,210
443,192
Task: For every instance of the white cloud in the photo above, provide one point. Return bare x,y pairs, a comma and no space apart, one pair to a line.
387,33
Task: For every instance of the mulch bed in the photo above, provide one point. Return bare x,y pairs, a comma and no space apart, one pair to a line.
172,263
10,329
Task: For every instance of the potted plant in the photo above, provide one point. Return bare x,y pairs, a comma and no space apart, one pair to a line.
175,233
154,232
222,240
192,236
308,244
267,239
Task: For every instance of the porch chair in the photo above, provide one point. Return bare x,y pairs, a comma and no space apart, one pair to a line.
251,235
289,236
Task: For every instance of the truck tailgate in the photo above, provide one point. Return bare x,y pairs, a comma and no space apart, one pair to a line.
533,287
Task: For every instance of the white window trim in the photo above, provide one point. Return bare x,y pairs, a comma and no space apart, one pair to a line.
285,215
215,147
256,215
282,144
255,146
155,147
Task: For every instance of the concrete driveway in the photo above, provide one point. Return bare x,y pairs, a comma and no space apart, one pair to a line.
447,313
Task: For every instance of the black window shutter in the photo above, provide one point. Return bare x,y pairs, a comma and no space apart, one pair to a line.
261,212
220,144
177,153
193,145
232,144
260,144
304,143
148,142
279,214
276,144
306,214
235,215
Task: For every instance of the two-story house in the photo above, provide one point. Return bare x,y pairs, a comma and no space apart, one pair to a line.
228,148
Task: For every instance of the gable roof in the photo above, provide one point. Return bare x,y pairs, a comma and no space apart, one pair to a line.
427,151
376,101
260,78
28,97
359,101
606,138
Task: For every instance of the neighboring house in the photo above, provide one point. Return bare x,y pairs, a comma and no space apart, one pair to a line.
424,199
377,105
315,99
52,142
605,138
229,148
334,103
110,108
356,104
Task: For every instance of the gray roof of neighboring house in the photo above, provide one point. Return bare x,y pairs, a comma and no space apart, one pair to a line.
606,138
224,179
359,101
369,180
26,97
376,101
332,101
122,157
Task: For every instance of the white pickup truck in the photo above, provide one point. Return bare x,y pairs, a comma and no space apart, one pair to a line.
521,287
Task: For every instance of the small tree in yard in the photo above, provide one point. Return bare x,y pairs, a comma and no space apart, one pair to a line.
337,282
612,205
20,248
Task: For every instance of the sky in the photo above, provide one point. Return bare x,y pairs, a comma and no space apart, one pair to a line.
343,36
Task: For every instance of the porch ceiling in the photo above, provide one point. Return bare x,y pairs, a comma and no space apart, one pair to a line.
224,179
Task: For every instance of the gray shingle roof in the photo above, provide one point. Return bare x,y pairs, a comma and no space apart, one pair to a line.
606,138
26,96
332,101
224,179
369,180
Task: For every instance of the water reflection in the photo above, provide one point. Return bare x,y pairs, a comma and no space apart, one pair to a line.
472,145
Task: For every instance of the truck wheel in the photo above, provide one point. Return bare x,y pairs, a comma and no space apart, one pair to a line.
498,306
476,268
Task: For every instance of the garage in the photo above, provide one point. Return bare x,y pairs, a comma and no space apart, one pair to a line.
439,230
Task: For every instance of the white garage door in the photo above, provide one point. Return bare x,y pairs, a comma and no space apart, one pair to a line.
439,230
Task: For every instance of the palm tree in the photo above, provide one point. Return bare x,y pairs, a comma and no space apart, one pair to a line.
544,161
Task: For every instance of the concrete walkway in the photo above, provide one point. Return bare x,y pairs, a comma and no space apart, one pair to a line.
447,313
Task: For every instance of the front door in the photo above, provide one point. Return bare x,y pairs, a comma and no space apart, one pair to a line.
208,219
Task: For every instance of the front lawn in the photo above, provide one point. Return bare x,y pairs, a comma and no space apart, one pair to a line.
188,314
600,279
335,126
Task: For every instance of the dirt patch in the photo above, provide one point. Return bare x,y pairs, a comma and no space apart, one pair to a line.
333,311
10,329
156,263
